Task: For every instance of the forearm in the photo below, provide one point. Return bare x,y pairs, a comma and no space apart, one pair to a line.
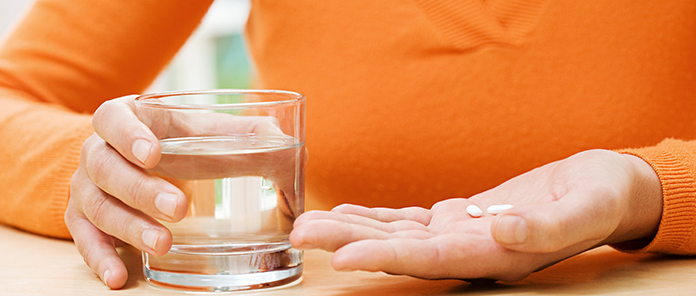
63,60
79,53
38,156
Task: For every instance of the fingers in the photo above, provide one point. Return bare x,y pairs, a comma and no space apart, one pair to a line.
98,251
330,230
112,195
330,235
96,246
449,256
397,256
553,226
131,226
115,122
132,185
417,214
444,256
115,218
398,225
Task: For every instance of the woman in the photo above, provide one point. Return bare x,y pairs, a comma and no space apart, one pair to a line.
409,103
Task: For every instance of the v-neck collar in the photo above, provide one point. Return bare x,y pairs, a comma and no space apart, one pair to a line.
472,23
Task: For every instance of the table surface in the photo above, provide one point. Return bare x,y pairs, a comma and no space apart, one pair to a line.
35,265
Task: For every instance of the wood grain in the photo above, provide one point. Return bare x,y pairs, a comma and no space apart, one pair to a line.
35,265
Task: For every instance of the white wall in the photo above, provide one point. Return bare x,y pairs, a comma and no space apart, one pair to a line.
11,11
194,65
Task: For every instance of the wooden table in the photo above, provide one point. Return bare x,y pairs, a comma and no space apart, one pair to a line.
34,265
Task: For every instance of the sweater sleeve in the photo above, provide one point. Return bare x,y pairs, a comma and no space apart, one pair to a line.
674,161
61,62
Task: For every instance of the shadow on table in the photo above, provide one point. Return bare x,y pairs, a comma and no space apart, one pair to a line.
595,272
133,260
598,271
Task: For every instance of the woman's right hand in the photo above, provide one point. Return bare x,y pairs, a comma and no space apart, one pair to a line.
116,194
113,198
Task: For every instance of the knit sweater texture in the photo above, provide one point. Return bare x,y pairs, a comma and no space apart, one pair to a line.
409,101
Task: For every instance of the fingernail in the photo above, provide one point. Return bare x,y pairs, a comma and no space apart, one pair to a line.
511,230
141,150
107,273
150,237
166,203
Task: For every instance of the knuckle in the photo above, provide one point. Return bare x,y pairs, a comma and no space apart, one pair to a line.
76,182
88,145
266,124
69,219
136,192
128,230
110,106
88,256
102,112
274,123
77,189
99,213
99,165
96,210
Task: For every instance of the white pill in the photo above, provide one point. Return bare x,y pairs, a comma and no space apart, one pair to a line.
474,211
495,209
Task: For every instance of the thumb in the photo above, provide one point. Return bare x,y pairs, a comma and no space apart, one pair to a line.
552,226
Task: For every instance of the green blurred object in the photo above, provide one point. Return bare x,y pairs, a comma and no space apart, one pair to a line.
233,68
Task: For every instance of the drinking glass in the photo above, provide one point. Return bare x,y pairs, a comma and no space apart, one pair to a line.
238,156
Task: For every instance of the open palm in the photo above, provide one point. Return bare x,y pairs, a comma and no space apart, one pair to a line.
560,209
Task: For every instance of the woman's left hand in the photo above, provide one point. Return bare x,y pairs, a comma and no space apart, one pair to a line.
561,209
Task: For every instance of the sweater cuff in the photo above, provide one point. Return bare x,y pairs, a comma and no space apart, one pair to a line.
672,160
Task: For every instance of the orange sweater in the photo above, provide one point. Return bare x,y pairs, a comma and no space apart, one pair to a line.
409,101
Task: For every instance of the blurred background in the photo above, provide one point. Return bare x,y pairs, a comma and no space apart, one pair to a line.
214,57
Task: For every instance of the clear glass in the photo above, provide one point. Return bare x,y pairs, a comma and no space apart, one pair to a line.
238,155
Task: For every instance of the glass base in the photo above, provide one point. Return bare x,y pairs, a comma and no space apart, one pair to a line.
224,272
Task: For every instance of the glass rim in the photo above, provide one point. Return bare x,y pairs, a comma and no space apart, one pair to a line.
142,100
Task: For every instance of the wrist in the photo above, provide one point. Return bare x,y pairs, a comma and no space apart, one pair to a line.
643,207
